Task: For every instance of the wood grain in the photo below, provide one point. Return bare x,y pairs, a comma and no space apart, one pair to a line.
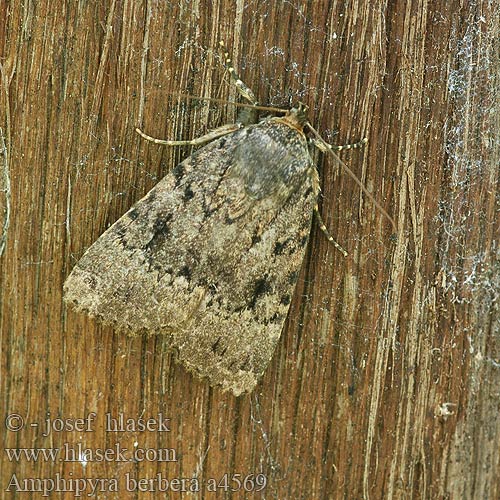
386,380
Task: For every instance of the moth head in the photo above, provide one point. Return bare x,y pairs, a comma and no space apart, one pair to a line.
297,115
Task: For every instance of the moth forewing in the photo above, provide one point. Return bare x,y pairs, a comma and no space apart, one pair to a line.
211,254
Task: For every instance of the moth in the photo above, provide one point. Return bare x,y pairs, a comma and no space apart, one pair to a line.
211,255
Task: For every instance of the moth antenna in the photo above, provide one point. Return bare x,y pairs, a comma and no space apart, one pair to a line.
190,97
323,146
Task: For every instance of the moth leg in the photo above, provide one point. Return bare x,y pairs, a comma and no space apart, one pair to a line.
243,89
316,189
324,146
213,134
329,237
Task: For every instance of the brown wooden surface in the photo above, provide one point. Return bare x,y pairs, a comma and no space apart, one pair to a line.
386,381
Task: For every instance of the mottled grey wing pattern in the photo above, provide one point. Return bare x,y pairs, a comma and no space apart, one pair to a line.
210,255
